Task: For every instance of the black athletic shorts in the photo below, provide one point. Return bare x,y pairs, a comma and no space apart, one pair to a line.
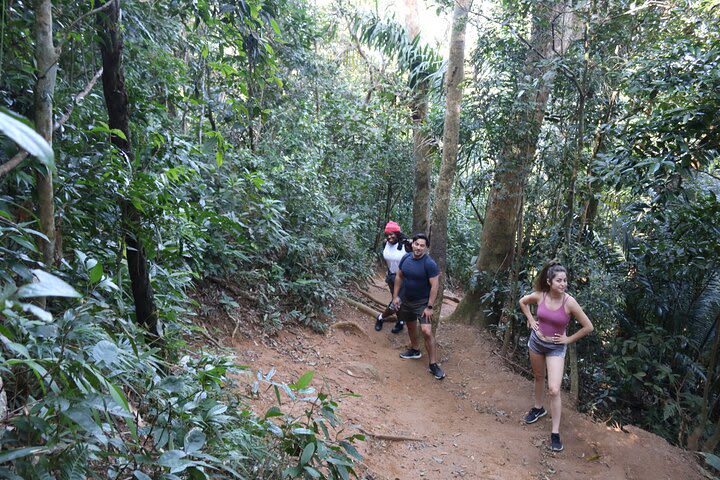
411,310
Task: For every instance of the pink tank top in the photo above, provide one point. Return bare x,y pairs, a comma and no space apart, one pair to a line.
552,321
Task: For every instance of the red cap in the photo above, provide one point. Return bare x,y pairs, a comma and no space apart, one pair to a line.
392,227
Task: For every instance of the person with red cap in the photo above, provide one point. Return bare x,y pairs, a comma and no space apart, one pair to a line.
395,248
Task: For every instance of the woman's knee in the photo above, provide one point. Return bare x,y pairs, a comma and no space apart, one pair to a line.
553,391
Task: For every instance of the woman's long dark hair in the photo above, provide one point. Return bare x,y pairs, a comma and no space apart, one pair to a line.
546,275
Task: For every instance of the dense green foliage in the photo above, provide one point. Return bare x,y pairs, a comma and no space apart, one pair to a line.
233,174
624,192
272,141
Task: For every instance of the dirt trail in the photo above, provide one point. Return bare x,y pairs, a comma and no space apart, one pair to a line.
469,423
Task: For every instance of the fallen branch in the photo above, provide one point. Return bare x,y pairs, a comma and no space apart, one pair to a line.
210,339
451,297
16,160
360,306
373,299
237,325
516,365
348,326
394,438
232,289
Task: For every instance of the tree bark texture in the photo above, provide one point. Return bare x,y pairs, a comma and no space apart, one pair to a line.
116,100
423,165
421,140
451,138
46,64
515,161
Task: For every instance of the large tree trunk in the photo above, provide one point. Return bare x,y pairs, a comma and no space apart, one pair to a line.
451,137
423,165
421,139
46,64
515,161
116,100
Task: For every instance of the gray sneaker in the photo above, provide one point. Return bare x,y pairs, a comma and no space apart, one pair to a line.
534,415
411,353
555,443
437,371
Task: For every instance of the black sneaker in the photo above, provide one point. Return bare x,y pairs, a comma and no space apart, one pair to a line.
555,443
378,322
411,353
534,414
437,371
398,326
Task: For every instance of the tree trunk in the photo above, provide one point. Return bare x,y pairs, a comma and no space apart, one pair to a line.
515,161
451,137
46,64
421,139
423,165
116,100
589,213
582,90
510,305
574,373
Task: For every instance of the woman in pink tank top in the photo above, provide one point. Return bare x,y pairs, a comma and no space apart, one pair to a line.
548,340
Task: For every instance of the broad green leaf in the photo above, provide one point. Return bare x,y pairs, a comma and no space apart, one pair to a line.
291,472
351,450
96,273
311,471
304,380
10,455
106,352
711,459
43,315
13,126
48,285
307,453
194,440
140,475
275,26
273,412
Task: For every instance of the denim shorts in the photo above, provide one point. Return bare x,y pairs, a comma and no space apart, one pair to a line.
542,347
412,310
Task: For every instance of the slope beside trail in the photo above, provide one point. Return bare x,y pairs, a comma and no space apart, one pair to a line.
465,426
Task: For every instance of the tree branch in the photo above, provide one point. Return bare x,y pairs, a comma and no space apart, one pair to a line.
76,99
6,167
77,21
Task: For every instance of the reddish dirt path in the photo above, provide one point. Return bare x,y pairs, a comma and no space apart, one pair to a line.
469,423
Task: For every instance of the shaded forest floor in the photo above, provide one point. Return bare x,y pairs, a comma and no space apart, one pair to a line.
465,426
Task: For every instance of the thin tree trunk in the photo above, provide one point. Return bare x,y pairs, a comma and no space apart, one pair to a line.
582,89
590,211
514,162
46,64
451,138
421,139
511,305
116,100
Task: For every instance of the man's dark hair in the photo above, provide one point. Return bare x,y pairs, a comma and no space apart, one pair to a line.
418,236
